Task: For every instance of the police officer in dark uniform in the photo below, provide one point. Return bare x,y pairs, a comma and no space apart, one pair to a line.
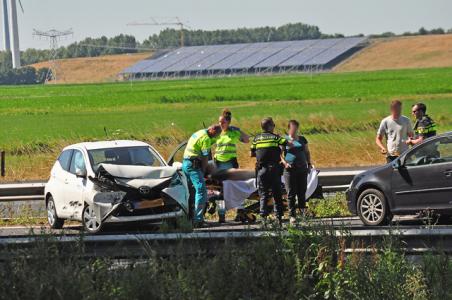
424,127
266,147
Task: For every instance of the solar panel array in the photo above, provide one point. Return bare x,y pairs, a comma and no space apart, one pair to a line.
246,57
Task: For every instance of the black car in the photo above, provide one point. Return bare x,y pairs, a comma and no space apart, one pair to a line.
420,179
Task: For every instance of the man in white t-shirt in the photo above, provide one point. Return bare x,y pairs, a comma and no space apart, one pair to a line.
397,129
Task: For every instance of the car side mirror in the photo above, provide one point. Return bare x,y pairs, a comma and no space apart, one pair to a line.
397,164
80,173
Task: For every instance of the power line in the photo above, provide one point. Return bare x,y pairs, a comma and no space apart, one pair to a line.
53,36
121,47
176,21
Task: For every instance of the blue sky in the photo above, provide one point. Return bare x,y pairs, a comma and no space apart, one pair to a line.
109,17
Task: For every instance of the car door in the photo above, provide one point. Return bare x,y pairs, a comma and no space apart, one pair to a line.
75,186
59,176
443,164
177,155
421,182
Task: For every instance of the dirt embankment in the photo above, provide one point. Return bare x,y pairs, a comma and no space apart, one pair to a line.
402,53
93,69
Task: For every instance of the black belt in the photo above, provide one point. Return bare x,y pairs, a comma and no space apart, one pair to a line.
261,165
192,158
196,162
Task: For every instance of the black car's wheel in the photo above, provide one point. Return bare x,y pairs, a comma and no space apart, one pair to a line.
89,219
373,209
52,217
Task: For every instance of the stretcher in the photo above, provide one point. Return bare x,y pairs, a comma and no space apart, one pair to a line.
234,186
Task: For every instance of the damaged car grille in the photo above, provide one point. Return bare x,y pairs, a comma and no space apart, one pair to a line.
138,197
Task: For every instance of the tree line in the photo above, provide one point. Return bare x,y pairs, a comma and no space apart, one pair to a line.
170,38
25,75
421,31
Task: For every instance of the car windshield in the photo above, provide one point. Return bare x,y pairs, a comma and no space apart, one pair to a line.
127,156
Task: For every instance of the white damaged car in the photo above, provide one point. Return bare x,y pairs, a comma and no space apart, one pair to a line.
114,182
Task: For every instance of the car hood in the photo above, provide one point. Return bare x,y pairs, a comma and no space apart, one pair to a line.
133,172
375,170
137,176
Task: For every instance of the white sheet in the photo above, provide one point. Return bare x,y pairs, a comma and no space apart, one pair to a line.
235,192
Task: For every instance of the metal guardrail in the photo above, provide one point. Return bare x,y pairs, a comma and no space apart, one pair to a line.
331,181
412,240
30,191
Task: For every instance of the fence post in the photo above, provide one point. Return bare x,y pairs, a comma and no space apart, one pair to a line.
2,163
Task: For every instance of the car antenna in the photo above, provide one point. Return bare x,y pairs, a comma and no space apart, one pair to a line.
106,132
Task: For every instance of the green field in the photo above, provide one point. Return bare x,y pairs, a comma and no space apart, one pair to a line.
333,108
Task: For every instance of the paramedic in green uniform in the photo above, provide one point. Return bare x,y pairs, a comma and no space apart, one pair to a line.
226,151
226,143
196,159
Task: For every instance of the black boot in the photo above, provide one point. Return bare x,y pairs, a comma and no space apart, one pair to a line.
221,219
240,216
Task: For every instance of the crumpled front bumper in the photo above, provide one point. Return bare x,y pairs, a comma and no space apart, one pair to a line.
110,206
152,217
136,193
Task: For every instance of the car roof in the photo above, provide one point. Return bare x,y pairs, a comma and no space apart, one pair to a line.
108,144
449,133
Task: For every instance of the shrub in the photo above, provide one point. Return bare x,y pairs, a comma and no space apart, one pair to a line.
299,264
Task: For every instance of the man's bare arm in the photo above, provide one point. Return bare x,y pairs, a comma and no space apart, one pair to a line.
419,140
379,142
244,138
308,155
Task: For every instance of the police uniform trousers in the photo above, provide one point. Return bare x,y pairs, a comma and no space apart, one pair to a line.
268,184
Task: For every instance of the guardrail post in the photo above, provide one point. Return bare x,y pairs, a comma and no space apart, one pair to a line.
2,163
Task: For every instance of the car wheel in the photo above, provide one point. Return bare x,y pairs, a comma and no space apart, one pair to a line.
52,217
89,220
373,209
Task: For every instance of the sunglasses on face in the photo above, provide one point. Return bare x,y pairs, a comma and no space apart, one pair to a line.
414,111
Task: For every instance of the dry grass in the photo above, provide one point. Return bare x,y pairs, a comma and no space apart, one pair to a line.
340,149
93,69
402,53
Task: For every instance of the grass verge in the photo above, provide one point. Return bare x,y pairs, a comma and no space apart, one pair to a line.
339,113
308,264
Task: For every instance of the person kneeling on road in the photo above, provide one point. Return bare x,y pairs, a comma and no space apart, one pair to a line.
196,159
266,147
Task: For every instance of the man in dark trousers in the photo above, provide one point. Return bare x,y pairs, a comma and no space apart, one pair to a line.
266,147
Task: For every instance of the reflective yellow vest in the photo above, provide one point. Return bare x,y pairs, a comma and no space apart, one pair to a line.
198,145
227,145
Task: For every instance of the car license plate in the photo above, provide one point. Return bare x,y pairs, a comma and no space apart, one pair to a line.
149,203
